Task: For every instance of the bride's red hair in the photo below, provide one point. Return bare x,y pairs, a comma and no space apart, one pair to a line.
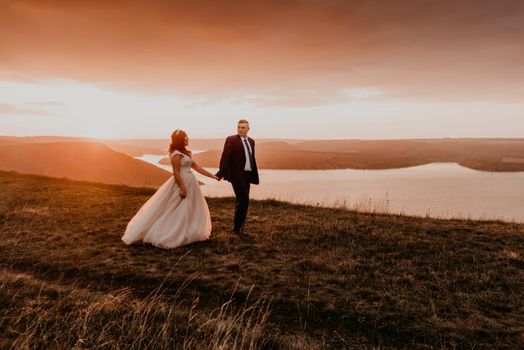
178,142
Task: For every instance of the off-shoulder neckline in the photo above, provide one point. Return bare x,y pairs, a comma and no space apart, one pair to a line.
172,154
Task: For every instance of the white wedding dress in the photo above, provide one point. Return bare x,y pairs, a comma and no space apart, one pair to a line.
167,220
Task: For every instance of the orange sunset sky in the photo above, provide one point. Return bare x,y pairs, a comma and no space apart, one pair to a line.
296,69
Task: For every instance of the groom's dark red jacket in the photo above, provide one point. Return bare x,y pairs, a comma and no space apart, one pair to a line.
233,161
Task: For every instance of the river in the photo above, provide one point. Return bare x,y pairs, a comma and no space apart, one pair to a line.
436,190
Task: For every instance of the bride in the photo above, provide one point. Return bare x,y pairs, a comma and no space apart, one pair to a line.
177,214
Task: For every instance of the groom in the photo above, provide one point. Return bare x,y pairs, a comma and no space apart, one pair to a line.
238,166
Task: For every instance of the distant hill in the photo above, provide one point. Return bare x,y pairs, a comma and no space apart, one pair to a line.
479,154
159,146
132,147
86,161
434,147
282,155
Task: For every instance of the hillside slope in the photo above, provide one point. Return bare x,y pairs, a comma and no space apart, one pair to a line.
80,161
332,278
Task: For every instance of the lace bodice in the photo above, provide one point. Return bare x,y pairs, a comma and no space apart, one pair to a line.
185,163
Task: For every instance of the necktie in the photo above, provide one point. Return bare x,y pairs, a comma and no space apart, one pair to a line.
249,152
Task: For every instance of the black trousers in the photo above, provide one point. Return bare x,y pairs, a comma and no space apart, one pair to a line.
241,187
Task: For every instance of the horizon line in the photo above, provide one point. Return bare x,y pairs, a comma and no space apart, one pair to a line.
276,138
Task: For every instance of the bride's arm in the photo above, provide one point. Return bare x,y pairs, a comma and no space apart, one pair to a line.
175,164
203,171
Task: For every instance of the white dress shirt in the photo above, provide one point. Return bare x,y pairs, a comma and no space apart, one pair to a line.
249,152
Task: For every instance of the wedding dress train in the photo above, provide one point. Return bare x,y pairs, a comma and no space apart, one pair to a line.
167,220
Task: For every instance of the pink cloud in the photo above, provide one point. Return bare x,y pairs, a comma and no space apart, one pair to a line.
290,51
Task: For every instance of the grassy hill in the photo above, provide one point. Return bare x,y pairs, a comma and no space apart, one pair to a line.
308,277
86,161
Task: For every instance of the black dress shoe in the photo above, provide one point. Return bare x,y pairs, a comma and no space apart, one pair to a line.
241,233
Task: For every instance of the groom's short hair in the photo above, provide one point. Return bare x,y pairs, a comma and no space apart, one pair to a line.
242,121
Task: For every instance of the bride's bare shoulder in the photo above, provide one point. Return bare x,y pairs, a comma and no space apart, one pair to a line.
173,154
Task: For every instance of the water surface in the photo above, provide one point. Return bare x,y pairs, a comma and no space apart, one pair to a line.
437,190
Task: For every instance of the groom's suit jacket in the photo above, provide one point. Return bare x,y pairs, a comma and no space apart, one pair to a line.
233,161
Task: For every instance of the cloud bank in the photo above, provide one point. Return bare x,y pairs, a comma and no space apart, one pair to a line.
279,52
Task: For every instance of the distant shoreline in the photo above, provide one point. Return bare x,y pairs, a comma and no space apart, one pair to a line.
165,161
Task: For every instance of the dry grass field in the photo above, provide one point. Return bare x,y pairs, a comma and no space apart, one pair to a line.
308,278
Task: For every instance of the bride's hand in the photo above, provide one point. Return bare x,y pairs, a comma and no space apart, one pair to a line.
183,193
